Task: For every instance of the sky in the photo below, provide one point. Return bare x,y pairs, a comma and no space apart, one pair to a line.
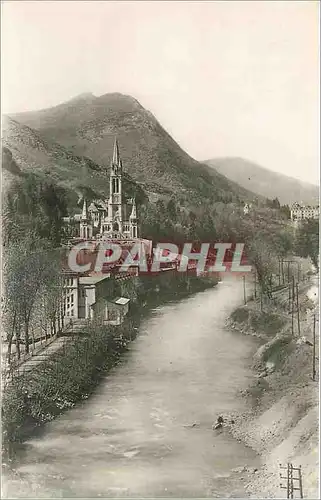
223,78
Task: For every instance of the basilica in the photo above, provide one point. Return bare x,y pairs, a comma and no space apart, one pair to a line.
114,218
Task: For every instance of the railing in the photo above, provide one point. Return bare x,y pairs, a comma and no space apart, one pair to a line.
15,363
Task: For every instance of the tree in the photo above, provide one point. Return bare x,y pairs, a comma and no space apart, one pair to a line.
32,276
34,206
307,241
171,210
285,210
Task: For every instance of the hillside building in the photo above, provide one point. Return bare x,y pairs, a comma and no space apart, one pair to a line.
247,207
304,212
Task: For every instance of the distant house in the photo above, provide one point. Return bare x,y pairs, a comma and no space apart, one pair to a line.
90,288
304,212
247,207
117,310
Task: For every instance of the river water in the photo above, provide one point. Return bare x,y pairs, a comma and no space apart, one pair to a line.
134,436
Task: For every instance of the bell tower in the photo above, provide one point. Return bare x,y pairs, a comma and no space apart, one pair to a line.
133,222
116,224
86,228
115,214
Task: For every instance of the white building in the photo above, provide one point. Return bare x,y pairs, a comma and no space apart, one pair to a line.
303,212
247,207
90,297
70,299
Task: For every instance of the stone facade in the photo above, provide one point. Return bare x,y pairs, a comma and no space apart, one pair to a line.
108,219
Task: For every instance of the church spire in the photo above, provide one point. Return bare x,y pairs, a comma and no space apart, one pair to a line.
116,156
133,215
84,215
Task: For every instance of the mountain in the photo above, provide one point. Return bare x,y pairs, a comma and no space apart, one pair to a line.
266,182
86,127
26,151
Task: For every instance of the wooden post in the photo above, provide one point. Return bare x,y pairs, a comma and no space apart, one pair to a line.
33,338
279,272
244,290
255,284
283,279
291,481
313,365
297,305
292,309
300,482
261,297
289,298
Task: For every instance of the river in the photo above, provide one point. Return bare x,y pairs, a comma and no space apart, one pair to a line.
134,436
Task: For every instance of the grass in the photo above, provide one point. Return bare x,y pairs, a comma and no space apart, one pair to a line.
240,315
277,350
266,322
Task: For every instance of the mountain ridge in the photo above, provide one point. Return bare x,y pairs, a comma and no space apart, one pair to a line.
265,182
88,125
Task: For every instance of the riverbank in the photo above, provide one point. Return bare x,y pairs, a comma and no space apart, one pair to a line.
281,423
72,373
146,429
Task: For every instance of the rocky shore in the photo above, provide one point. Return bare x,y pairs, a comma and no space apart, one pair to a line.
281,422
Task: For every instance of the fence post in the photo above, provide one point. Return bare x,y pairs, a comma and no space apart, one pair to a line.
292,309
244,290
313,364
300,481
298,310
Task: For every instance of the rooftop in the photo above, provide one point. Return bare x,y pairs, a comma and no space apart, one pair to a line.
93,280
121,301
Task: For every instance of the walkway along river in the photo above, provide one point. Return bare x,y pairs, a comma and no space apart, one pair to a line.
134,437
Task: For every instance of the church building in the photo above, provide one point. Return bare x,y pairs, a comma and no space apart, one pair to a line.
110,219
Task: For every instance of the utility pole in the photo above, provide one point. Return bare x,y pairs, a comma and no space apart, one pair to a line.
292,308
298,310
313,363
289,286
244,290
